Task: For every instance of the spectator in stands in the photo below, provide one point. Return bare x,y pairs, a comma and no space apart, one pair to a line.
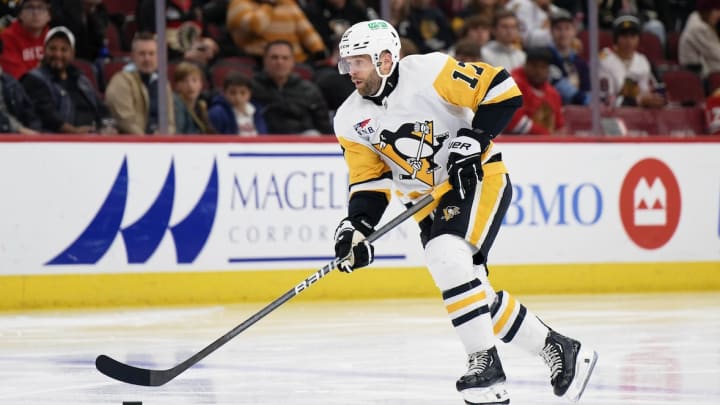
64,97
202,51
335,88
255,23
674,14
291,105
407,47
232,112
181,17
476,30
132,94
533,16
199,50
21,44
332,17
427,26
569,73
505,49
482,9
626,74
712,112
541,113
399,11
646,11
17,113
191,113
88,20
466,50
699,47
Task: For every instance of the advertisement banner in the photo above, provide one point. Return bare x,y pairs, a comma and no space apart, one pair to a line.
115,207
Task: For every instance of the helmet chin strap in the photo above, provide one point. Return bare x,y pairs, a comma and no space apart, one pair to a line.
384,79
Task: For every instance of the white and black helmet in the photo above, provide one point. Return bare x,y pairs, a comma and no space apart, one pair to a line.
369,38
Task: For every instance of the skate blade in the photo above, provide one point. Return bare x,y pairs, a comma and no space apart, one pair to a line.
583,370
494,395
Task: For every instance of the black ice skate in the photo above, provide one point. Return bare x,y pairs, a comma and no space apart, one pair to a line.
570,365
484,382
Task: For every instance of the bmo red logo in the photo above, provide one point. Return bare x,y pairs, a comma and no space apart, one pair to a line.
650,203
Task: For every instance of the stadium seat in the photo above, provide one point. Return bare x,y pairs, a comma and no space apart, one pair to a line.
88,70
114,41
219,71
673,44
128,30
652,48
237,60
638,120
683,87
121,7
304,71
713,82
605,39
677,121
578,119
111,67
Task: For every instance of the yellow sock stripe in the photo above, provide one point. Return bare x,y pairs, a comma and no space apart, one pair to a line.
500,324
465,302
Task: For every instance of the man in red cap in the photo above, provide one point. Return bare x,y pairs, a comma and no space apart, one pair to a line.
21,47
699,44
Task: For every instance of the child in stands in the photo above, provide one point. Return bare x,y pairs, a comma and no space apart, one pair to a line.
232,112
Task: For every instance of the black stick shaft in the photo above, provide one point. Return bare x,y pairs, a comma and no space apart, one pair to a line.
141,376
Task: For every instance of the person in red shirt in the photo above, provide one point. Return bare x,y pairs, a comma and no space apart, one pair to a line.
541,113
22,41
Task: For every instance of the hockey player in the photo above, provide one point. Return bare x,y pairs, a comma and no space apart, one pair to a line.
412,125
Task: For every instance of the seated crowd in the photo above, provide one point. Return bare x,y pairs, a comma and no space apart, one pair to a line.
256,67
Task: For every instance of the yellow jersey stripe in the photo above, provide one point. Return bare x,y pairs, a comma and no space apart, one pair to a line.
362,162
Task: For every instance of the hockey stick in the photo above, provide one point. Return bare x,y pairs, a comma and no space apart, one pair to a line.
417,158
153,378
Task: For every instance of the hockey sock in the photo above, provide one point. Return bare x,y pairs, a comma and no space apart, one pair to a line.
470,315
449,259
514,323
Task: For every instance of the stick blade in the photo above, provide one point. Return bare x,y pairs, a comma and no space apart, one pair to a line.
127,373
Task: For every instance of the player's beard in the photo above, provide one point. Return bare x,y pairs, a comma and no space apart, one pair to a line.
371,85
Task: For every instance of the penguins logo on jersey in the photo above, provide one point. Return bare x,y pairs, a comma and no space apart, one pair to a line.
450,212
413,147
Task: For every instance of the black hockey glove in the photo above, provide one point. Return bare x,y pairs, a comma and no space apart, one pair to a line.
464,164
350,245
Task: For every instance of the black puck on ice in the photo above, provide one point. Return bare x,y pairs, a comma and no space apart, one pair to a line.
132,403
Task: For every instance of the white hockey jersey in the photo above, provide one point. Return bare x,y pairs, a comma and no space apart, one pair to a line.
616,74
403,142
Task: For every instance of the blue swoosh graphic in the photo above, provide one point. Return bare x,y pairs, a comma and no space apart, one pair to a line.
95,240
192,232
144,236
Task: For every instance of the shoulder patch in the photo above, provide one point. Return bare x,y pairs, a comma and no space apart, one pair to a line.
365,128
